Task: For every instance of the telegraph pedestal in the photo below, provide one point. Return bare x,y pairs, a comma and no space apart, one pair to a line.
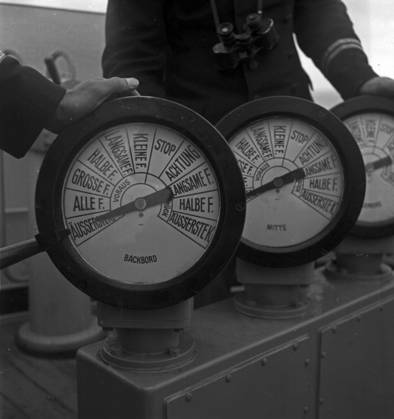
277,293
303,367
147,340
361,259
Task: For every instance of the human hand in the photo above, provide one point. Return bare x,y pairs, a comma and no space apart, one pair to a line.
87,96
378,86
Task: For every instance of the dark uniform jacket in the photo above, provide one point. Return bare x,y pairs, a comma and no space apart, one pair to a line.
27,102
167,45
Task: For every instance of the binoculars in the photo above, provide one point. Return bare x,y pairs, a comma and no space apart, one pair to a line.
259,35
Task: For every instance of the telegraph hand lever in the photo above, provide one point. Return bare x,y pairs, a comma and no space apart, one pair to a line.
277,183
139,204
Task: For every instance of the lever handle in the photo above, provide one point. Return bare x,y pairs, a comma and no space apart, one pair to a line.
52,70
14,253
69,76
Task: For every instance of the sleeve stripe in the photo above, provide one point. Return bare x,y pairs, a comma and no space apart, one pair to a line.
336,48
2,56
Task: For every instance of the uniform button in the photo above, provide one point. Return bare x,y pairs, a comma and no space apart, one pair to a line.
287,18
290,55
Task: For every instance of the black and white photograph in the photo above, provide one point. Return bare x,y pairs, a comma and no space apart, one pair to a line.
197,209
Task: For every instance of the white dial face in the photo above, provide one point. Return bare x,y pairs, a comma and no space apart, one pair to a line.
294,182
374,134
141,202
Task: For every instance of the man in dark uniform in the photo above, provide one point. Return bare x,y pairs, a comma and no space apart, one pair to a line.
167,45
29,102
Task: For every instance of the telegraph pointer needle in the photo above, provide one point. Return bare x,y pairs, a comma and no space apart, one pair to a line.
277,183
139,204
378,164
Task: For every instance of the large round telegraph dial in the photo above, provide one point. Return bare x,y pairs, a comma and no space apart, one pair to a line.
140,204
304,179
371,122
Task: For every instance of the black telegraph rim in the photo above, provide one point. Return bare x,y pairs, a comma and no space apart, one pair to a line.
49,215
353,169
357,106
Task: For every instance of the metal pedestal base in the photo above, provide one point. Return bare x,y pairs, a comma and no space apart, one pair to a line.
333,271
273,293
149,341
250,308
113,353
335,362
360,259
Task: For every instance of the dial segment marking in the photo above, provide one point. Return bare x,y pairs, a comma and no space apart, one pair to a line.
83,228
260,135
98,160
369,128
141,202
200,204
293,179
185,160
374,133
247,150
81,178
325,205
141,141
328,185
77,203
279,132
198,229
299,139
116,143
314,149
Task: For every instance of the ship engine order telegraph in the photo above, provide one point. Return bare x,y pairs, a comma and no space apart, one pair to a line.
140,205
370,119
304,181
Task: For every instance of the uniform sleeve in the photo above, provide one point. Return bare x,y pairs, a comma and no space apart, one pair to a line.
325,33
28,102
135,43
